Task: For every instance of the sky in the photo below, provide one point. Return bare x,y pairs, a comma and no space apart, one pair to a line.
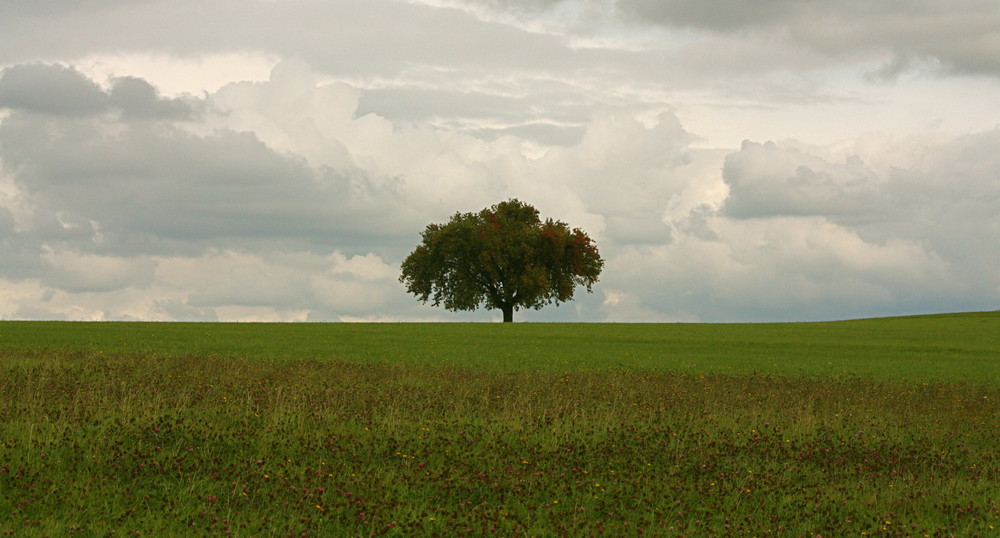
276,160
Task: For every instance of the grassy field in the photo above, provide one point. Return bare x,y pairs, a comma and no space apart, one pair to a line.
884,427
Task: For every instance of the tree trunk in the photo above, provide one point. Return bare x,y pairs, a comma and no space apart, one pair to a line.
508,313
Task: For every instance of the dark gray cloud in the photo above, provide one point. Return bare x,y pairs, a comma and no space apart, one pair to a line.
50,89
960,36
151,185
720,15
138,99
61,90
21,252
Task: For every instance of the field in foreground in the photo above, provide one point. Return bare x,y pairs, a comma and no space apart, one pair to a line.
694,430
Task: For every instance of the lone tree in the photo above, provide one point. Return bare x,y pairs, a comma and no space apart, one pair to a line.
503,257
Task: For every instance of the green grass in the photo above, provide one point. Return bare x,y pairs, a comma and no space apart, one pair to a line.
952,347
887,427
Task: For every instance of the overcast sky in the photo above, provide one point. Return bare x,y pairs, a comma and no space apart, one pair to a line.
276,160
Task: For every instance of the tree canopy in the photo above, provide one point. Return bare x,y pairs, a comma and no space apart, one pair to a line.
503,257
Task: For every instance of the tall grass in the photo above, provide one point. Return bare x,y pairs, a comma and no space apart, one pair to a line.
207,436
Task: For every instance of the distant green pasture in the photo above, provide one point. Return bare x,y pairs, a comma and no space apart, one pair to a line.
942,347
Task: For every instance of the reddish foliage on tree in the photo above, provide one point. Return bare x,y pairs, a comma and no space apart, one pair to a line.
504,257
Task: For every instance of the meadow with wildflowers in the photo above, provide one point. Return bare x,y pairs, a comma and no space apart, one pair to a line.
885,427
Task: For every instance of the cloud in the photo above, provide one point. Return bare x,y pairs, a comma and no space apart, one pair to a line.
894,38
60,90
927,190
138,98
294,198
50,89
156,182
76,272
327,286
959,36
325,33
539,70
913,232
766,180
712,14
770,269
131,185
623,307
177,310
